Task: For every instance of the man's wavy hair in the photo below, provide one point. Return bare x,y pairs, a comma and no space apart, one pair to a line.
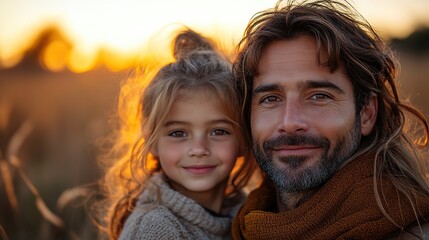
351,42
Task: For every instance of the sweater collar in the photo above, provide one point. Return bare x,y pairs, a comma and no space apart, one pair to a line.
159,191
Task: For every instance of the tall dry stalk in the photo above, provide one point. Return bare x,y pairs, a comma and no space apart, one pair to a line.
12,162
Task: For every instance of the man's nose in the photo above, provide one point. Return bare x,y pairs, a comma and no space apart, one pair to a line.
199,147
293,119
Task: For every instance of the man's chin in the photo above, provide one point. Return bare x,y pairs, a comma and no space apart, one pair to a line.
296,163
298,179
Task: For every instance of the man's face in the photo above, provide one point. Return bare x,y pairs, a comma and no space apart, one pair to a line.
303,119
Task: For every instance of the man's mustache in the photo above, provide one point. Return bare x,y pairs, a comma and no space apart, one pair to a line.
292,140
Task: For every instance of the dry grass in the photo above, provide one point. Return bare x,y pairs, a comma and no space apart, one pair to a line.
49,127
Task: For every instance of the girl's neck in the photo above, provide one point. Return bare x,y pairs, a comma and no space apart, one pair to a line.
211,199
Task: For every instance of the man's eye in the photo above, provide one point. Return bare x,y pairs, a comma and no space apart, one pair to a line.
177,134
270,99
320,96
219,132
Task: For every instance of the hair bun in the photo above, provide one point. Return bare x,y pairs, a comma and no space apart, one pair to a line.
189,41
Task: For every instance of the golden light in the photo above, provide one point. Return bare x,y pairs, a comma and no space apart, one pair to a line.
10,61
55,55
80,62
113,33
394,20
121,28
115,61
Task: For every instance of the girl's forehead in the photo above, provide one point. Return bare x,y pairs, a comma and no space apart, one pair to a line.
197,98
203,93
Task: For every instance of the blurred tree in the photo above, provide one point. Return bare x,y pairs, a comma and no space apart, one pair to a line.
31,57
416,43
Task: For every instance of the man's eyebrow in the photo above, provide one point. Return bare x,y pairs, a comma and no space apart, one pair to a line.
321,84
308,84
266,88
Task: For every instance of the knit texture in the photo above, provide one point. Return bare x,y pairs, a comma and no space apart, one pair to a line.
344,208
175,216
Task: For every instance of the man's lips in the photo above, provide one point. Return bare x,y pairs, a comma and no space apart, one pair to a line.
296,150
199,169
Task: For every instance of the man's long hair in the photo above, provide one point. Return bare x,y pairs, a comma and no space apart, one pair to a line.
350,41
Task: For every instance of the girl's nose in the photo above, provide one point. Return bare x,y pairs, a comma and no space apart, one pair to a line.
199,148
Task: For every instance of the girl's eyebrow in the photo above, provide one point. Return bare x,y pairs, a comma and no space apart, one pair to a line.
216,121
221,121
171,123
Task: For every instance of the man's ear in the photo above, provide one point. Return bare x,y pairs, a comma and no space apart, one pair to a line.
368,115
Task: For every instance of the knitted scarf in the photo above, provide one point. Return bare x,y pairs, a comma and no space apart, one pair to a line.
344,208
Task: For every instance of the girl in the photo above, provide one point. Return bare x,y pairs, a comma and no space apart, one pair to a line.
183,176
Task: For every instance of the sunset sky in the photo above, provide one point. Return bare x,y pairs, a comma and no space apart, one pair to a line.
125,25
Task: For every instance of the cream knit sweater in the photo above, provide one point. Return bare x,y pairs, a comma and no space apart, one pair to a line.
174,217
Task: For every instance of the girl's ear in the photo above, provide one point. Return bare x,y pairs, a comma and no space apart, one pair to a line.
368,115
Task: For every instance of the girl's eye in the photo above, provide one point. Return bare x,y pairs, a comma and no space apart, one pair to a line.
177,134
219,132
270,99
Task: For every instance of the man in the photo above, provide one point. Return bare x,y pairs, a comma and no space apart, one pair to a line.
328,129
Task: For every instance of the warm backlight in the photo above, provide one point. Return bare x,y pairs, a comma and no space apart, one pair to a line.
55,55
113,33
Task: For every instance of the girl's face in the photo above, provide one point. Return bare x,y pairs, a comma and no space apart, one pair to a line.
198,145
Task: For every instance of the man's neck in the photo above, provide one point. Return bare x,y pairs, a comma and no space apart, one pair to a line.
287,201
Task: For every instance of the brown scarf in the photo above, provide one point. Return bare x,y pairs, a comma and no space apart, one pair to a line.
344,208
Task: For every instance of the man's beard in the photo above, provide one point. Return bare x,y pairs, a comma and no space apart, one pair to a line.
287,178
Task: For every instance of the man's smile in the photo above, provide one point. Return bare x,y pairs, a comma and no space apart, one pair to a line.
296,150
